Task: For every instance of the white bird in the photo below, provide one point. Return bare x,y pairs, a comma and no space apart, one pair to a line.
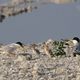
75,45
73,42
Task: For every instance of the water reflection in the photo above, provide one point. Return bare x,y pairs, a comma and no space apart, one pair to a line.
16,7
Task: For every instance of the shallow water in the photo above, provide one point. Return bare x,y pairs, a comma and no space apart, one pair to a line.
48,21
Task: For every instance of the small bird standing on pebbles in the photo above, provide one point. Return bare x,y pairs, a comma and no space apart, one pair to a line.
75,45
76,41
23,47
19,43
73,42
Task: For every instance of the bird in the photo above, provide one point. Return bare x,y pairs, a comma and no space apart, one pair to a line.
74,44
20,43
76,41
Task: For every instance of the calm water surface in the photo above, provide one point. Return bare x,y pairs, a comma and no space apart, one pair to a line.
48,21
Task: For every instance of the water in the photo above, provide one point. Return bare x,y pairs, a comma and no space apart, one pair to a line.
48,21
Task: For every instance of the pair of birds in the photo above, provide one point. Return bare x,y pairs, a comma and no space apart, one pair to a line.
74,43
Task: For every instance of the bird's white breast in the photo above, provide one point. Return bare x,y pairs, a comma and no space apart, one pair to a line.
75,42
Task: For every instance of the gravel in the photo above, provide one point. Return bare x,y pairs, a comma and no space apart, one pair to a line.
33,66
